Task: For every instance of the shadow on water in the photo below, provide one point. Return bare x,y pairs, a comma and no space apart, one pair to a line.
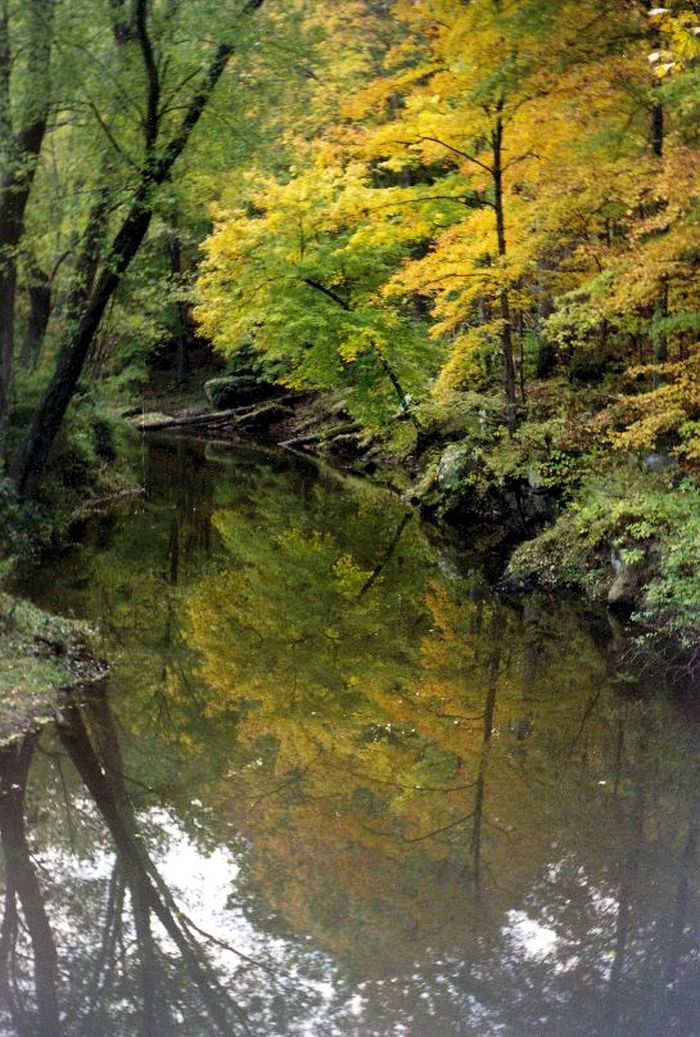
333,786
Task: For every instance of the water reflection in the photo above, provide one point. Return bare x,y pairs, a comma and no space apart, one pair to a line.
334,788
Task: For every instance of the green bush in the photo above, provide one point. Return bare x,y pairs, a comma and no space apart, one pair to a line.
13,534
649,520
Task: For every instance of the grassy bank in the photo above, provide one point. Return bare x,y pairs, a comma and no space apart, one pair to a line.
630,538
42,657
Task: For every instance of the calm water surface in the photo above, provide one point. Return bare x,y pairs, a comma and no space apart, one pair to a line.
332,786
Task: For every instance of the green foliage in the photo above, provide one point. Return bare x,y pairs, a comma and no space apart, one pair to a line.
88,461
14,541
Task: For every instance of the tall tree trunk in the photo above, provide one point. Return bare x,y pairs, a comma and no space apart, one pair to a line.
20,149
657,108
657,129
49,414
660,336
183,328
39,295
509,374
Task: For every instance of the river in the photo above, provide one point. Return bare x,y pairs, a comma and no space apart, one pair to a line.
334,786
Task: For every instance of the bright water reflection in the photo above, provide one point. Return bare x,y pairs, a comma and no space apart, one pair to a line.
334,788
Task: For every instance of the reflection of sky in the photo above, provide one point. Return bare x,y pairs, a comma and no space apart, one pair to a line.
320,998
564,926
203,885
528,937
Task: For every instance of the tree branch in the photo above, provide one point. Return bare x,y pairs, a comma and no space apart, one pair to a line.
110,136
455,151
328,292
520,158
152,78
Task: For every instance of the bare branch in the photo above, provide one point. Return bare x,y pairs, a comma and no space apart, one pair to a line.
327,291
455,151
110,136
152,77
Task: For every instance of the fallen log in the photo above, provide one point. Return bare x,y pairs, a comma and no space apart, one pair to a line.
326,436
237,416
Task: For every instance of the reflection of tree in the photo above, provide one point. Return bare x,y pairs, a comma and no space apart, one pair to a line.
626,898
464,750
179,464
681,972
376,711
22,890
489,708
150,898
89,736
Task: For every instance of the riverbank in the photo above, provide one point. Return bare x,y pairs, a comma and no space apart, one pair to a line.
43,657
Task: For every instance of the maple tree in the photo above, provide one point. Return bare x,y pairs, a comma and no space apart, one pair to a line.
301,281
466,223
459,198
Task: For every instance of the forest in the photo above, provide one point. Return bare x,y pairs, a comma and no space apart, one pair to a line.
467,231
349,518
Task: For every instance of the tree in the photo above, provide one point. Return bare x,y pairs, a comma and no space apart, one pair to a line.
296,270
143,139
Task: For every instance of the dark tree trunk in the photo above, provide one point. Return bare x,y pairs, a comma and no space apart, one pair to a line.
509,374
156,170
8,285
40,296
657,108
22,149
657,130
183,328
53,406
660,337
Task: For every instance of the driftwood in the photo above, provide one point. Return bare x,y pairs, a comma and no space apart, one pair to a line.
208,420
328,436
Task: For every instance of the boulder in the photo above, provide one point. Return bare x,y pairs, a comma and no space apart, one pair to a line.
453,467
